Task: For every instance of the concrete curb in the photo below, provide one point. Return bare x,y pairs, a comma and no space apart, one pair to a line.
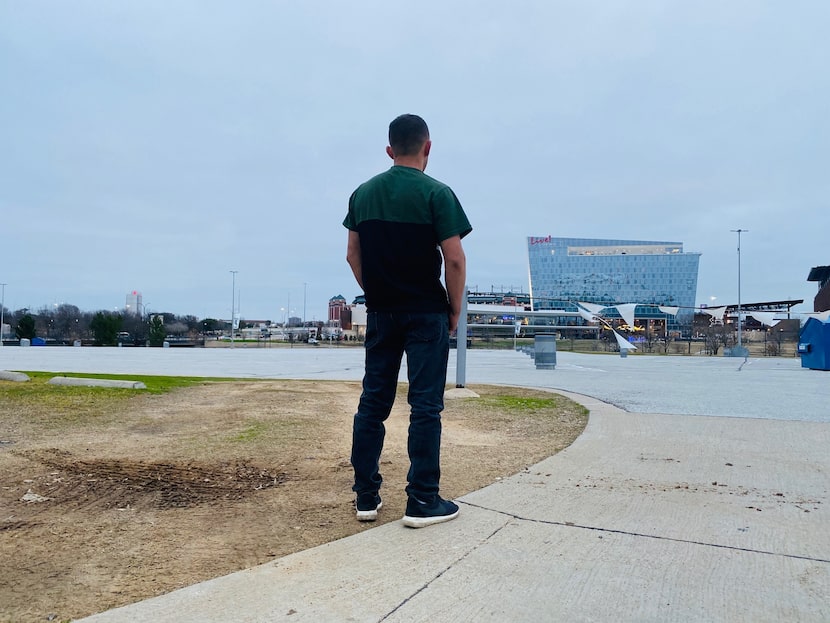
68,380
459,392
18,377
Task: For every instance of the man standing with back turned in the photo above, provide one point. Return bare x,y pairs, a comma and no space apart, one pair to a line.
400,224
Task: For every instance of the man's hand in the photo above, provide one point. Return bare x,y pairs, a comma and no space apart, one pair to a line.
454,322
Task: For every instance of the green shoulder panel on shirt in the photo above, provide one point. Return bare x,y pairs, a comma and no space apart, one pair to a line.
448,215
407,195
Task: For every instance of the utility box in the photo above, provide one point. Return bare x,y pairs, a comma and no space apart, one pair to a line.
814,344
545,352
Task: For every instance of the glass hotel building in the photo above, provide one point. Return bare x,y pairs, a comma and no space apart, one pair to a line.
609,272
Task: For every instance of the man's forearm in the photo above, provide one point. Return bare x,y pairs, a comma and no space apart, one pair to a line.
354,257
357,271
455,275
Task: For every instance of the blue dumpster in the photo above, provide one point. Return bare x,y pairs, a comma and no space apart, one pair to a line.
814,345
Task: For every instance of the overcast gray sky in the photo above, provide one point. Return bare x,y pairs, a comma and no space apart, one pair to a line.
158,145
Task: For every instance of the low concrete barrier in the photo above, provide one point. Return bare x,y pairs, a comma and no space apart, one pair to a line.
5,375
68,380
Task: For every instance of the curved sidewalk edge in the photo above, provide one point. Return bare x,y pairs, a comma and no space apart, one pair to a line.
642,518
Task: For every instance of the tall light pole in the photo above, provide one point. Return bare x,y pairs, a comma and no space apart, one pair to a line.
741,352
305,287
2,311
233,303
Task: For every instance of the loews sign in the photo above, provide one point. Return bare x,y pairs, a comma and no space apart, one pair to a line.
539,240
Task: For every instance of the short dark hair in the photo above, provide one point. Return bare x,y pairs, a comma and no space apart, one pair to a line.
407,134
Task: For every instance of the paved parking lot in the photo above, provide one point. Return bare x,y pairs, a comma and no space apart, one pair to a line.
777,388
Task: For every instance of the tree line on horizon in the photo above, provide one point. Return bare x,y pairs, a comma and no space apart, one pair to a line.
66,323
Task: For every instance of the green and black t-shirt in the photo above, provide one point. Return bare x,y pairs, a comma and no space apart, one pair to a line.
402,215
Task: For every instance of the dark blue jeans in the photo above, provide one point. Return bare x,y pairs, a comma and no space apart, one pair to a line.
424,338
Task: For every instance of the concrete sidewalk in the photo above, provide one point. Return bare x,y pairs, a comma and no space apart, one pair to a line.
646,517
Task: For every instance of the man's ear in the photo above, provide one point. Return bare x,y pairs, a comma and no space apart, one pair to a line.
389,152
427,147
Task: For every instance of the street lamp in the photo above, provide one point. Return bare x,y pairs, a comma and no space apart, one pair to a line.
233,303
2,311
144,322
739,350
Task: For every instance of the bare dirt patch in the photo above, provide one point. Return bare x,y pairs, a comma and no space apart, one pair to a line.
172,489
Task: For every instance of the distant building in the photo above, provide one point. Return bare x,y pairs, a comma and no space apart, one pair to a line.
822,275
358,317
336,306
347,320
509,298
564,271
133,306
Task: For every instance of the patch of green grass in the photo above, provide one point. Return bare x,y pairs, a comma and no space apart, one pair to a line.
518,403
507,403
61,404
155,384
252,432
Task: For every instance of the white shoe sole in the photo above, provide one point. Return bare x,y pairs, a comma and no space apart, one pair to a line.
369,515
422,522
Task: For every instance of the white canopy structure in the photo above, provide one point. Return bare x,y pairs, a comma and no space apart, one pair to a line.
822,316
715,312
589,316
766,318
591,307
623,343
626,310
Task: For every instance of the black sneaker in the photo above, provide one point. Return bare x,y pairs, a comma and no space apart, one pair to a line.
420,513
367,505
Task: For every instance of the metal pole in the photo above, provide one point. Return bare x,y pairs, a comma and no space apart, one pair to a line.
739,232
2,312
305,288
145,319
461,344
233,302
